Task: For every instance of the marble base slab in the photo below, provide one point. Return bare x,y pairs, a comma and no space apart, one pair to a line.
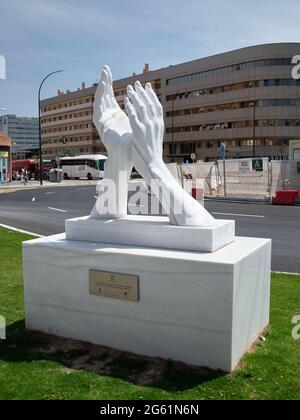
150,231
200,309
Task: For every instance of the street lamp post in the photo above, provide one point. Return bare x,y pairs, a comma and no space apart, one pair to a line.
173,142
40,125
172,131
254,129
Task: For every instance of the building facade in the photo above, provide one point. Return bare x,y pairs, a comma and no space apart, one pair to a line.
246,99
67,126
295,150
5,158
24,134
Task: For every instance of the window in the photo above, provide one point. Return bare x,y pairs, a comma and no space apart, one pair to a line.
92,164
246,143
235,67
172,149
281,82
281,102
101,164
187,148
211,108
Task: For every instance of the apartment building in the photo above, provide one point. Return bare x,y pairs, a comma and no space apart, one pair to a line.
246,99
24,134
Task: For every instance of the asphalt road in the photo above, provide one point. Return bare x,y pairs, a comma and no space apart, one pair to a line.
43,211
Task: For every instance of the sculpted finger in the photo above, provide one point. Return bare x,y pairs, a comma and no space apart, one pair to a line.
99,96
139,105
132,115
109,74
110,91
104,98
154,99
104,76
145,99
107,95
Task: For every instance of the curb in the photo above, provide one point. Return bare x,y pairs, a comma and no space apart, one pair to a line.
238,199
21,231
285,273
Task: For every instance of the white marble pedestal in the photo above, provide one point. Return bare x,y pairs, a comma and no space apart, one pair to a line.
151,231
202,309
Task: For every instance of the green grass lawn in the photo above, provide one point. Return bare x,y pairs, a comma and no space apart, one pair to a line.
35,366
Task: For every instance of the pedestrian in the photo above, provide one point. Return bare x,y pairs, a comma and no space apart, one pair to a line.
1,181
25,176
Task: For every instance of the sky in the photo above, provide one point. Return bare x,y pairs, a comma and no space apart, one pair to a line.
40,36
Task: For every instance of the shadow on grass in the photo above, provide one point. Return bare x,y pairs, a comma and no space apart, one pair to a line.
22,345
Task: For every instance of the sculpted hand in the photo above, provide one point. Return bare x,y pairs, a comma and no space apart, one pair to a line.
116,134
111,122
146,119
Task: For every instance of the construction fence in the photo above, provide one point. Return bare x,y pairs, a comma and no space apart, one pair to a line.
246,178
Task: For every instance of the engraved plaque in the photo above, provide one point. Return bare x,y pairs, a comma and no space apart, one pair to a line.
114,286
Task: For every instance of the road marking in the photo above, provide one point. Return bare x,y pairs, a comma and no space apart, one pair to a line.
239,215
136,205
48,193
21,231
61,211
82,189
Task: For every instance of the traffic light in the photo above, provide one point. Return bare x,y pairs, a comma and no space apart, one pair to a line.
65,140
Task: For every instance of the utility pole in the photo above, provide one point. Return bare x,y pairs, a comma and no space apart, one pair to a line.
173,142
40,124
173,130
254,129
223,155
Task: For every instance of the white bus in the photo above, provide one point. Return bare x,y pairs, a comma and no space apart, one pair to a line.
85,166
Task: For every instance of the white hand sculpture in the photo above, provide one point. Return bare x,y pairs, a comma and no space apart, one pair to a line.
146,119
139,143
116,134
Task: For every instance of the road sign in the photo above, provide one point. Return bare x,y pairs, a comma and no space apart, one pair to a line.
257,165
193,157
223,151
245,166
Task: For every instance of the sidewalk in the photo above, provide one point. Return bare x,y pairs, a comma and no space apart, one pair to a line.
31,185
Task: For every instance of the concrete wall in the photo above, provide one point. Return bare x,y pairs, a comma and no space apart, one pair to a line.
294,149
241,180
285,176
